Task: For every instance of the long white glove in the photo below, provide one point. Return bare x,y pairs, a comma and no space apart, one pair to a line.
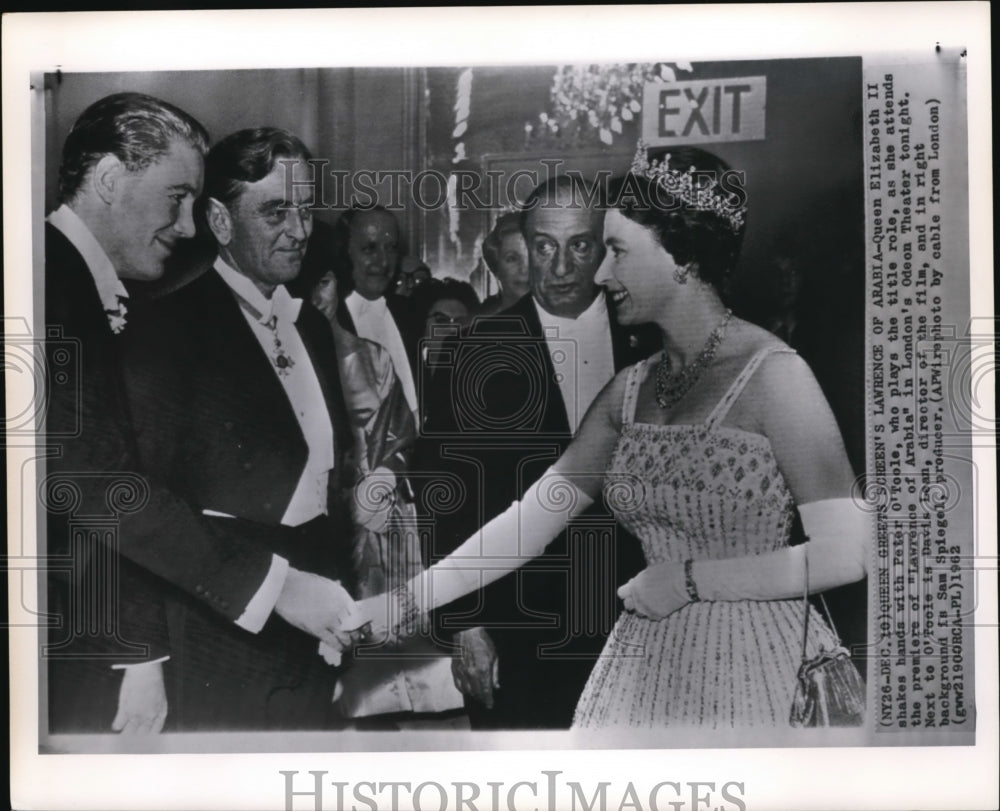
840,533
510,540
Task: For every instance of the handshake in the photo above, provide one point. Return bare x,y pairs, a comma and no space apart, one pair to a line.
322,608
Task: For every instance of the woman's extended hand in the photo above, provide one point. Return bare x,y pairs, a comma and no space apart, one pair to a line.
656,592
385,618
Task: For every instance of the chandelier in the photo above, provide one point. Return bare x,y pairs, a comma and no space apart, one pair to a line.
591,103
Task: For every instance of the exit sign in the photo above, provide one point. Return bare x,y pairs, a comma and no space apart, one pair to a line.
704,111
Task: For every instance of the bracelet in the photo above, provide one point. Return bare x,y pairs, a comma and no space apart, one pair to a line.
689,584
407,612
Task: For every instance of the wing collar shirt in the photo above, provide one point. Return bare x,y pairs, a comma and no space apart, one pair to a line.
272,322
373,321
581,353
109,285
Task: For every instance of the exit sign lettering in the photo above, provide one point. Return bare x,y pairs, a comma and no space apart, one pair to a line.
704,111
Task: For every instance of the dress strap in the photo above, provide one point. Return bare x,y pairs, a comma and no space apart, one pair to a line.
736,389
636,374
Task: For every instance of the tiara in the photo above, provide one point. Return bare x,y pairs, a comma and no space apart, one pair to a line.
698,191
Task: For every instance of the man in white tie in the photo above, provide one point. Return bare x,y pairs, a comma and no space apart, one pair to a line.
365,275
239,408
131,169
561,345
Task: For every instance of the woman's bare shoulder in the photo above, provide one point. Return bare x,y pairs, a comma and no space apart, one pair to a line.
746,339
777,376
782,383
613,394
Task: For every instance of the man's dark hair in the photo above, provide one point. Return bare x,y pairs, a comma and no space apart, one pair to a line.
248,156
323,252
434,290
581,195
136,128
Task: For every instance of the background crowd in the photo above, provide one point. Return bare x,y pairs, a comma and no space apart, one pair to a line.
287,398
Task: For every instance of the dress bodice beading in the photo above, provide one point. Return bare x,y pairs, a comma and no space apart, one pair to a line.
697,491
700,491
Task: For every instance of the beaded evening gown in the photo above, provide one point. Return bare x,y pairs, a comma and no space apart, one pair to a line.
700,491
417,679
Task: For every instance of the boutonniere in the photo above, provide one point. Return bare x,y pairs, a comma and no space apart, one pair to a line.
116,317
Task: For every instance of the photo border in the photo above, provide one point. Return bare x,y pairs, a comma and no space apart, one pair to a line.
960,777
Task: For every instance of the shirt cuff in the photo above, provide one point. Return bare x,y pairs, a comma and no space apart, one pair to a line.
140,664
261,605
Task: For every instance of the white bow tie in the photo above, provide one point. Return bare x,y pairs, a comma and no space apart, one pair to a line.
284,307
375,307
280,307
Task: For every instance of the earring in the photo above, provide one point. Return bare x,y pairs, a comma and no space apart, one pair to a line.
681,274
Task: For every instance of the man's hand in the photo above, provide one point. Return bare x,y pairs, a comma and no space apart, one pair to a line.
316,605
370,618
476,670
142,700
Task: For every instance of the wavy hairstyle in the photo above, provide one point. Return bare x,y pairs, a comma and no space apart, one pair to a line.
135,128
248,156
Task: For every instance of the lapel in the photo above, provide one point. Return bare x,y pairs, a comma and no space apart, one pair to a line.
344,316
71,298
235,377
399,308
252,370
318,339
554,419
73,306
628,346
228,339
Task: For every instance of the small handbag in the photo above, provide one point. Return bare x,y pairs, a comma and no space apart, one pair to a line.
829,691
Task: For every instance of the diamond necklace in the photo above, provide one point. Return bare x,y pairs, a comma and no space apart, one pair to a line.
671,386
